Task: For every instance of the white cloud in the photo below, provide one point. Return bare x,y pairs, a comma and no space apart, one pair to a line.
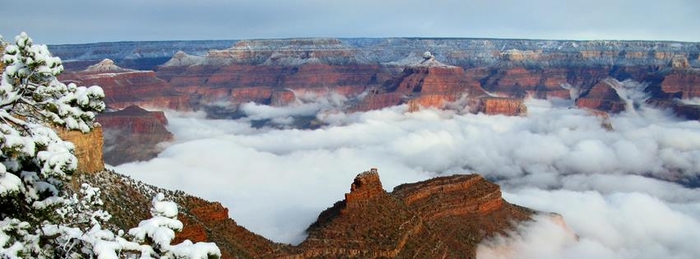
276,181
617,225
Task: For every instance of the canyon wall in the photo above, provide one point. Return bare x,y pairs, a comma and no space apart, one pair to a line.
491,76
384,72
133,134
88,148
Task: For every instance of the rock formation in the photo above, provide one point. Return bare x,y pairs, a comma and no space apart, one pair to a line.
603,97
378,73
133,134
682,83
428,84
445,217
88,148
125,87
264,71
502,106
128,201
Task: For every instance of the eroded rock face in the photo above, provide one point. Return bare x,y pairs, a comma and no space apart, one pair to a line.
428,84
133,134
88,148
242,83
365,187
445,217
457,195
603,97
264,71
502,106
682,84
125,87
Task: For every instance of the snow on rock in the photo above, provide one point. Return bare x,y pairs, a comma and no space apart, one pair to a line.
183,59
106,66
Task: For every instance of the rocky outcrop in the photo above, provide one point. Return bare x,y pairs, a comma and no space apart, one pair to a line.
133,134
445,217
502,106
682,83
284,97
88,148
603,97
128,201
365,187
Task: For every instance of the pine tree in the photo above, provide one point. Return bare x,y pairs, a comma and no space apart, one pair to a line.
38,216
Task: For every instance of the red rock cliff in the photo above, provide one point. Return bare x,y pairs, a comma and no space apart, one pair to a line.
124,87
445,217
603,97
503,106
133,134
428,84
88,148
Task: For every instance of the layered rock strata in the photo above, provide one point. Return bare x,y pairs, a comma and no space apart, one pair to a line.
88,148
502,106
602,97
133,134
445,217
125,87
427,84
269,71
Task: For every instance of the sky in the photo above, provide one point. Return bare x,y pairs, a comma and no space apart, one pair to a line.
605,184
86,21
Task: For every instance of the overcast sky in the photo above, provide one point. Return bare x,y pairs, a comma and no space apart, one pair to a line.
82,21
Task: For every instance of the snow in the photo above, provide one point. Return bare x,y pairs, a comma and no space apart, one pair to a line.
163,208
183,59
106,65
35,162
8,183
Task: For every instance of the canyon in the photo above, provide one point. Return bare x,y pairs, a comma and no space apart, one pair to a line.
444,217
491,76
377,73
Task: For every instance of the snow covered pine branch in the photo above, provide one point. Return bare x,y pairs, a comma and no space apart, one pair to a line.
38,216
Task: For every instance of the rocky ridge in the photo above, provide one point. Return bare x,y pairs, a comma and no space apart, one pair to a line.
445,217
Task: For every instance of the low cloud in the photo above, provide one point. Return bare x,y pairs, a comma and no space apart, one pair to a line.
618,225
608,185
